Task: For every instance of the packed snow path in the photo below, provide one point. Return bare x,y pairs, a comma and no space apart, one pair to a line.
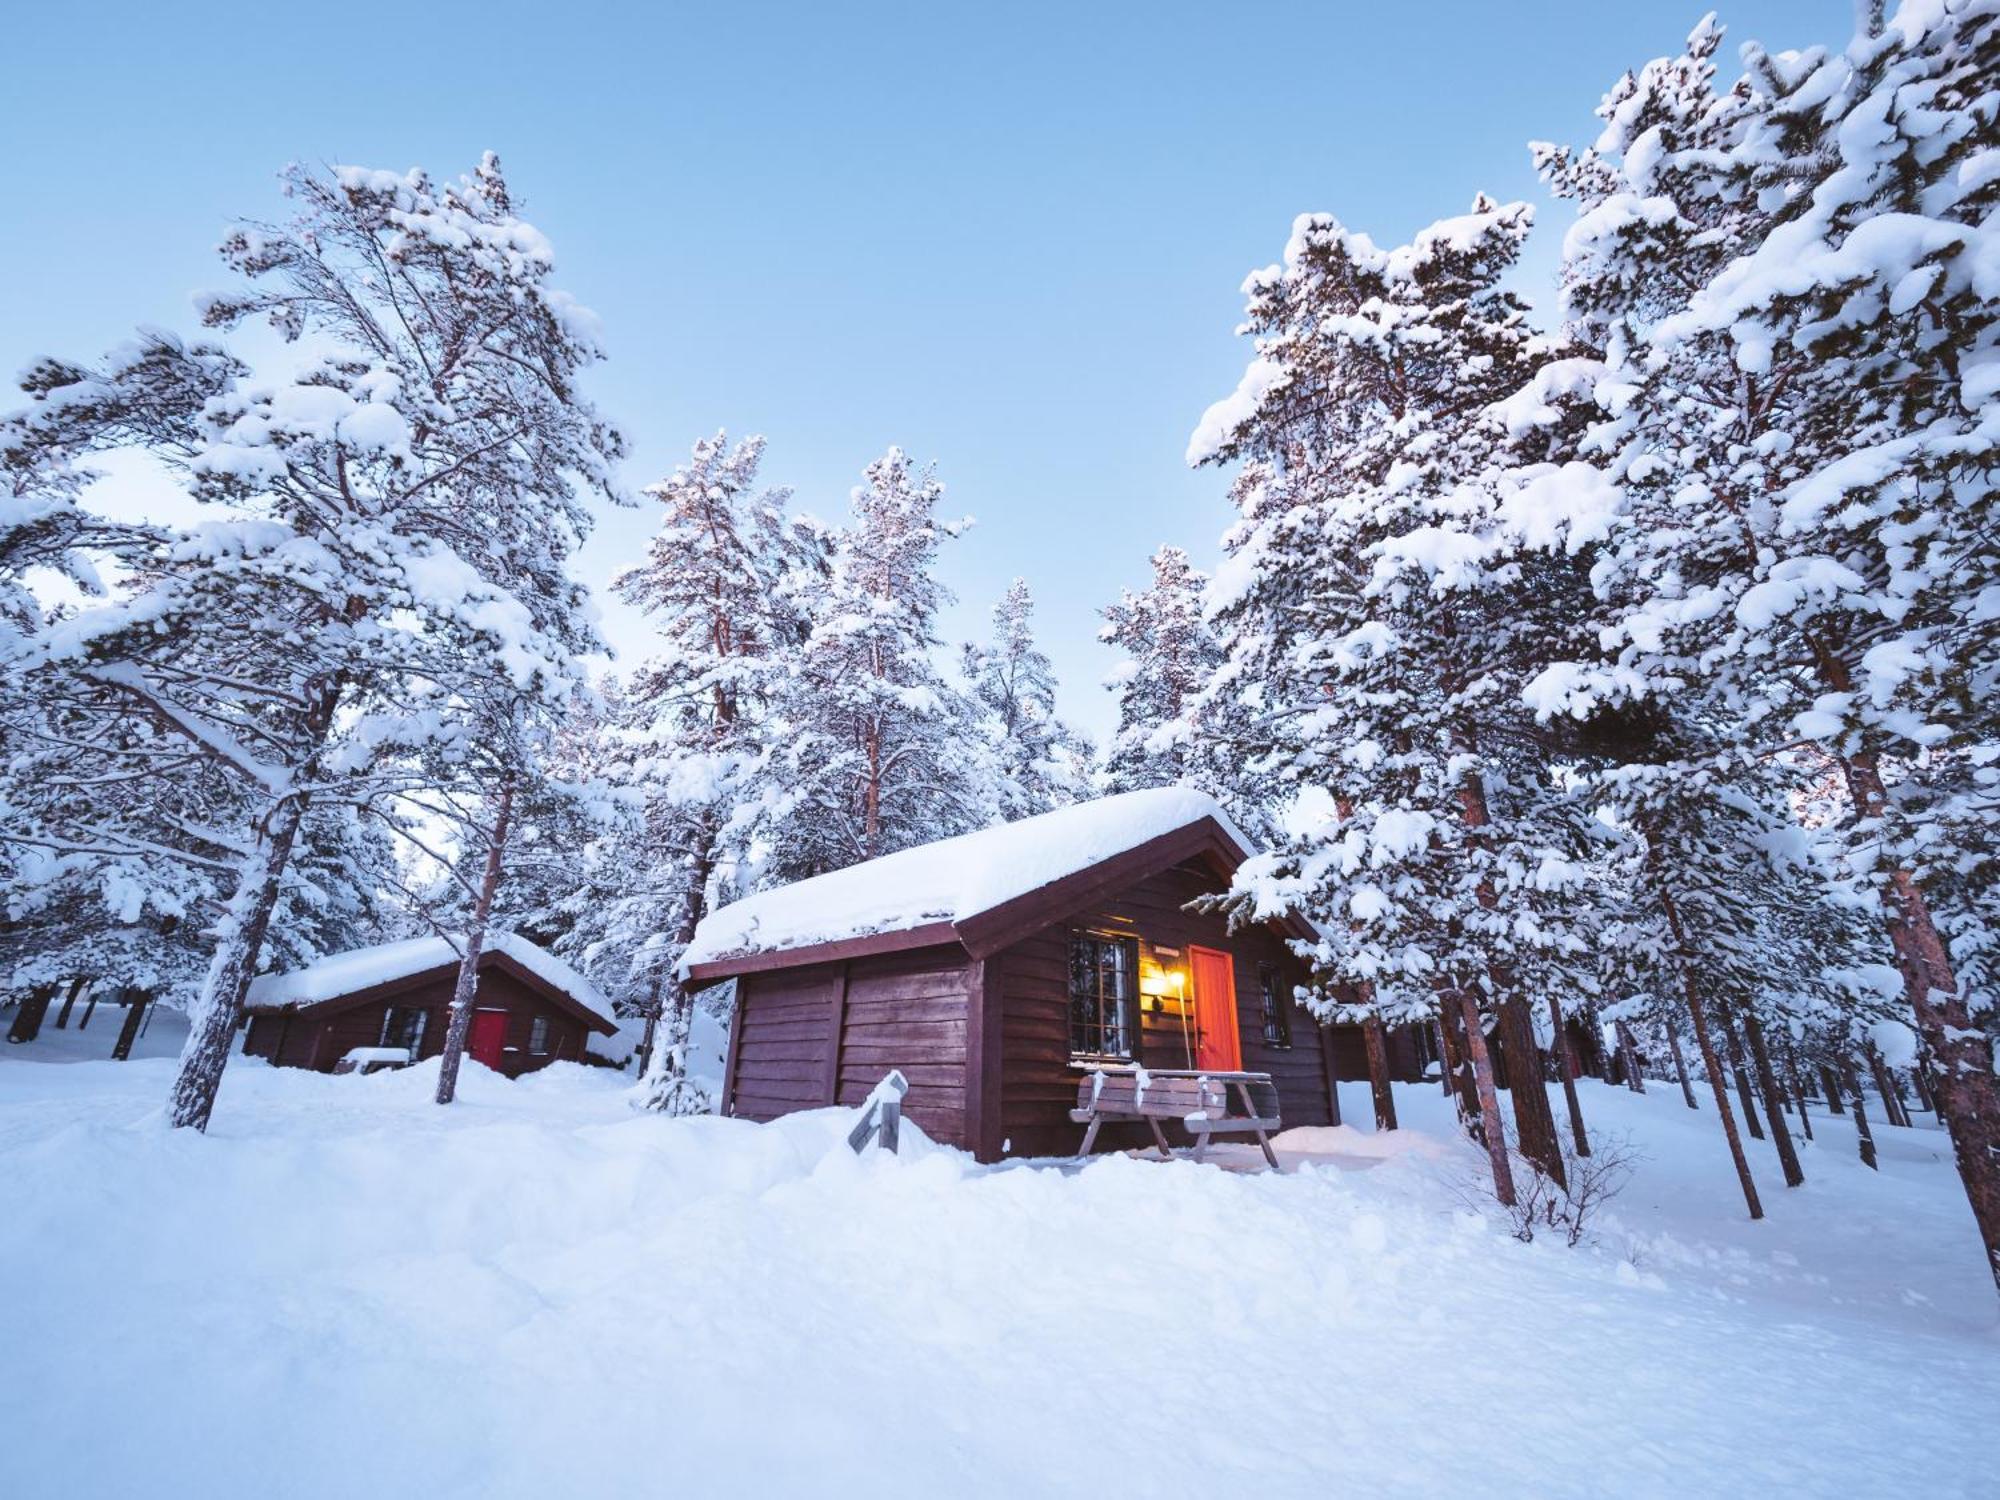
345,1290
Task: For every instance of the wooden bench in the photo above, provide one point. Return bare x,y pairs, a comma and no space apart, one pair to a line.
1207,1104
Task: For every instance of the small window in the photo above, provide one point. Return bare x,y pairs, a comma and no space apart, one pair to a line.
1277,1007
404,1027
538,1037
1103,977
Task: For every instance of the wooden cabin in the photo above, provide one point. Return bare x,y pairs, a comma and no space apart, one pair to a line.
530,1009
994,969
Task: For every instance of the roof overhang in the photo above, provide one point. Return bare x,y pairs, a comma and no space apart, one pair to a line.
403,983
985,933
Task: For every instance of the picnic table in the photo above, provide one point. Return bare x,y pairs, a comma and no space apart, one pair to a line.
1207,1103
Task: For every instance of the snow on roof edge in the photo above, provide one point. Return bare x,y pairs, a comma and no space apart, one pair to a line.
341,974
950,880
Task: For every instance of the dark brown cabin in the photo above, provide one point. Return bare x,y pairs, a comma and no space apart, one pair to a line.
993,1015
529,1009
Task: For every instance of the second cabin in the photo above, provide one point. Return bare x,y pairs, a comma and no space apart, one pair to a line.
994,969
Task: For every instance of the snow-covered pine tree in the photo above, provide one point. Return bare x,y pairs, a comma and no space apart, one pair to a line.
1366,658
695,726
143,397
118,847
1799,399
396,503
1041,761
877,751
1169,655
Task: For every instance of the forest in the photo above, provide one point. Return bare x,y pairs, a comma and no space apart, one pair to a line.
1620,651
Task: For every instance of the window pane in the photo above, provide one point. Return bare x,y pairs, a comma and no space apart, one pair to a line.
1277,1013
1101,975
403,1026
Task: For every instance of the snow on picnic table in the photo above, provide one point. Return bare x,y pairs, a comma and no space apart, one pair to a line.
345,1290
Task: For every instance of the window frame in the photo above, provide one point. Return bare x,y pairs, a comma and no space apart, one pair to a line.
1275,1004
1128,1020
416,1041
538,1036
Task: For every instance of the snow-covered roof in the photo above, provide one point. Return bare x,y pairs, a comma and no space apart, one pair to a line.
952,880
363,968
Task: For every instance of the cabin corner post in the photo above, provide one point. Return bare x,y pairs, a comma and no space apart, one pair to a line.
982,1059
1332,1071
737,1001
836,1034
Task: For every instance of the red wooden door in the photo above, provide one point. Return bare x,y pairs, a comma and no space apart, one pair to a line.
1215,1010
489,1034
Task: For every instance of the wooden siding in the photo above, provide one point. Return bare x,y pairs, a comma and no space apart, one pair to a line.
1037,1081
1406,1054
828,1033
785,1022
319,1041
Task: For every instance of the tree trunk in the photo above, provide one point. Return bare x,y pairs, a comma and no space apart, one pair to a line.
1566,1063
1798,1090
1767,1080
871,817
1534,1121
1740,1068
1628,1052
1864,1137
1709,1060
1892,1107
1920,1076
240,934
466,991
1378,1073
1445,1053
1489,1100
1464,1091
1968,1096
1830,1084
34,1009
212,1025
1607,1066
651,1033
1680,1065
136,1002
668,1087
69,1004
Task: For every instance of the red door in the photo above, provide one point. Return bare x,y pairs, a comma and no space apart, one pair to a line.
1215,1010
489,1033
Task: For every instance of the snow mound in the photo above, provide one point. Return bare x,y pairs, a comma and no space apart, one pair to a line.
337,1251
361,968
951,880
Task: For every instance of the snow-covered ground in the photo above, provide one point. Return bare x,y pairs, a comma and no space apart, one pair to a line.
344,1290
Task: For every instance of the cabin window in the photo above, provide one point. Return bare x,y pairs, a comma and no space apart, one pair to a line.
1103,977
404,1027
538,1036
1277,1005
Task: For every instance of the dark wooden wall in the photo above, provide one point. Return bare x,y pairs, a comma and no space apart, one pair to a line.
828,1033
1399,1043
1038,1083
320,1040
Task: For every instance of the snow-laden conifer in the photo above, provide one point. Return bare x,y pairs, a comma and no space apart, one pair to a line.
1040,761
1369,675
393,505
1790,291
1168,657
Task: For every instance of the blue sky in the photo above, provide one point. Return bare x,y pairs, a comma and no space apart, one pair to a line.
1007,237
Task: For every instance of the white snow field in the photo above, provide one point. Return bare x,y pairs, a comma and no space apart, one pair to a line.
344,1290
